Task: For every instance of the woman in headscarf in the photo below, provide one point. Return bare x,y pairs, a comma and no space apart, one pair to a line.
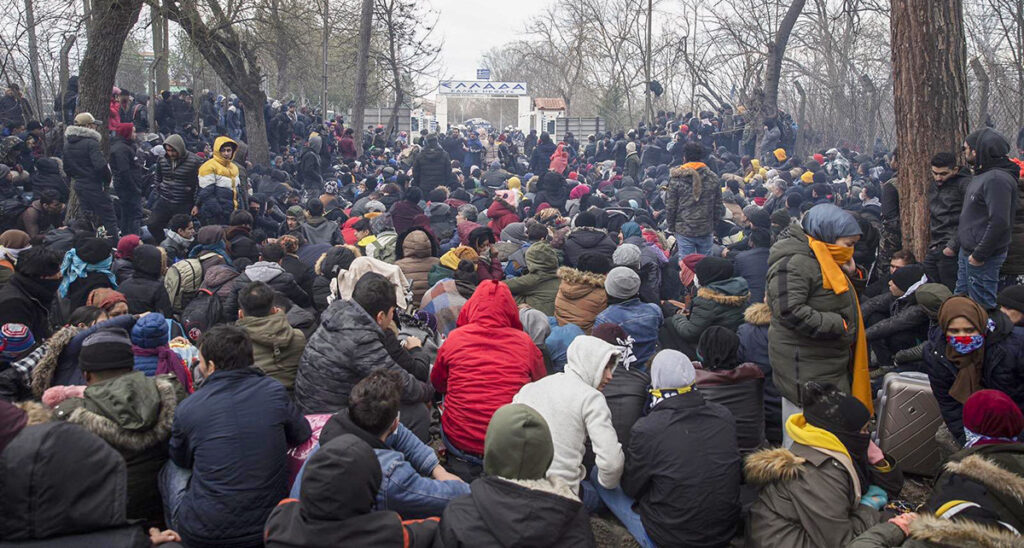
12,242
817,332
739,387
969,352
830,485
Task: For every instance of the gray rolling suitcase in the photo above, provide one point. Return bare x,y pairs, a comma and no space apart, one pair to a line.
908,417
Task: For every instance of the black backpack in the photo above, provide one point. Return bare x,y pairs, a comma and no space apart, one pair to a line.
202,313
11,210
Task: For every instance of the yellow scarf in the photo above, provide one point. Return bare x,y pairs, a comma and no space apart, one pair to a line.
830,257
803,433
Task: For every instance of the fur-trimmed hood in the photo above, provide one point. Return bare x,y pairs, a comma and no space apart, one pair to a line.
771,465
571,275
989,474
42,373
758,314
125,440
731,292
80,132
961,532
554,486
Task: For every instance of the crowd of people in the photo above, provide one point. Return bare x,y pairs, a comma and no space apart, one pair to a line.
484,338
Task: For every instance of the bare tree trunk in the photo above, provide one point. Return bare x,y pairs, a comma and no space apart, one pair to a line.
983,91
111,22
873,105
33,58
362,73
776,52
64,73
160,49
801,119
929,61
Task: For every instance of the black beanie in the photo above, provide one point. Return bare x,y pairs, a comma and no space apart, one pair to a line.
93,250
585,219
820,177
713,269
436,196
106,349
828,408
907,276
597,263
1012,297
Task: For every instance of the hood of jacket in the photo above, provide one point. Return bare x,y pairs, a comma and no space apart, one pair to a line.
587,237
77,133
730,292
60,479
271,330
217,275
758,314
989,474
541,259
465,228
794,243
524,513
587,358
771,465
48,166
959,532
577,284
438,209
178,144
217,144
132,412
416,244
148,260
491,307
263,271
992,150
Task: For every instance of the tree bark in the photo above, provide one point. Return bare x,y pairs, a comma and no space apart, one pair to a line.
33,58
160,49
929,61
362,73
111,22
801,119
776,52
235,63
64,72
983,91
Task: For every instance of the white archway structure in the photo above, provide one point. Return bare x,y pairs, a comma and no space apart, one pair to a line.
482,88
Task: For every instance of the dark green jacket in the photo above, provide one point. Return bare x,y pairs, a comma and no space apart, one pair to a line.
539,287
813,329
721,303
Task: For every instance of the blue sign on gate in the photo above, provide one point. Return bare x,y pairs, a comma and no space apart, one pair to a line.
483,74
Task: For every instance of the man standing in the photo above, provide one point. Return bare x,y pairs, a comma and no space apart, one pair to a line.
693,202
85,164
127,178
990,203
945,201
177,182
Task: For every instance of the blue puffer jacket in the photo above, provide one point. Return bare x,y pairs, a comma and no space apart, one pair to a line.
150,331
406,464
233,433
1003,369
638,319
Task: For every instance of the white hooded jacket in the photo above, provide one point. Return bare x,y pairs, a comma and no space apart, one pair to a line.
576,410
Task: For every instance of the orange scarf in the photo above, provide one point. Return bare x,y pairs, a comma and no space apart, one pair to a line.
694,165
830,257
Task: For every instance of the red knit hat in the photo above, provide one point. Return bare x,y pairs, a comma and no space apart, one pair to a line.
691,260
993,414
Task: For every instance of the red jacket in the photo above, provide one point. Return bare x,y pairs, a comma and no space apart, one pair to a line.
483,364
501,215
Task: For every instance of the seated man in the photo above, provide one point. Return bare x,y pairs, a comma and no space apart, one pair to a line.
336,506
573,406
684,445
517,503
228,450
130,411
349,344
415,484
638,319
276,345
41,215
480,367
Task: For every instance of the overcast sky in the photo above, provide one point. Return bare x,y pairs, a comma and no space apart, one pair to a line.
471,28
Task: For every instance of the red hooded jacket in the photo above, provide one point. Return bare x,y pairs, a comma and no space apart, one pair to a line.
483,364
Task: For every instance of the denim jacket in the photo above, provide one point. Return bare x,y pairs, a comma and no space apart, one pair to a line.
639,320
406,487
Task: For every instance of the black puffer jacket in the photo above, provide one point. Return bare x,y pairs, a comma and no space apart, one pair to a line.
83,159
125,170
905,317
48,177
432,168
586,240
346,347
178,182
273,275
685,445
64,486
145,290
945,201
1003,369
500,512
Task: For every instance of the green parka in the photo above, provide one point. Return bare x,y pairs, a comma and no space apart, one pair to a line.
539,287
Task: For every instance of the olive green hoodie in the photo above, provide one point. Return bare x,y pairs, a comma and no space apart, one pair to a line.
276,346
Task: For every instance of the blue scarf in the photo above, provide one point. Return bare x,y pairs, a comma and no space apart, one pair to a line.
74,268
217,248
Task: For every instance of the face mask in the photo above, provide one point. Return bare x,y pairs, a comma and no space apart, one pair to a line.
965,344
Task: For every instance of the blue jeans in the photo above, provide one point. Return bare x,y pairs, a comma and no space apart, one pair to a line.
468,467
688,246
980,283
173,483
622,506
